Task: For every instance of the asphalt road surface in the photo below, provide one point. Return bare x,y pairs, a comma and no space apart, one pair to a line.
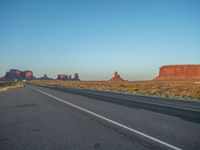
38,118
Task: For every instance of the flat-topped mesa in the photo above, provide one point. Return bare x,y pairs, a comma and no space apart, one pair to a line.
62,77
15,74
68,77
116,77
28,74
179,72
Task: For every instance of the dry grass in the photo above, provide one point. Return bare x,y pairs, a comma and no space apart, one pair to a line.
4,86
178,90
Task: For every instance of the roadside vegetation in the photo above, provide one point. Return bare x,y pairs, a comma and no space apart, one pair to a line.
4,86
177,90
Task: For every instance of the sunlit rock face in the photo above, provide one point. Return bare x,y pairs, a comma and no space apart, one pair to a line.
179,72
28,74
116,77
62,77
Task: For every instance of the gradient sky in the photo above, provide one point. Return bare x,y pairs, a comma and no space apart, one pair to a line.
98,37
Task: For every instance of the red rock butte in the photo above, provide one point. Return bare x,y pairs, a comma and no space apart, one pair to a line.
68,77
116,77
179,72
28,74
13,74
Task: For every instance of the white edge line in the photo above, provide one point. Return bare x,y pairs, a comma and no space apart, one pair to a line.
108,120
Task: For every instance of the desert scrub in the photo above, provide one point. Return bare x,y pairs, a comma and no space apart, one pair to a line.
169,89
10,85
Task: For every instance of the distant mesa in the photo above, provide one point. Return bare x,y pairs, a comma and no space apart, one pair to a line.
167,72
116,77
179,72
15,74
45,77
62,77
68,77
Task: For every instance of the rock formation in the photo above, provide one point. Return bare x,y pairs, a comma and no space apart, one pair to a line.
68,77
62,77
15,74
116,77
179,72
45,77
76,77
28,74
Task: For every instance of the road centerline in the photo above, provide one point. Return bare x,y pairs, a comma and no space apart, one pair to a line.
107,119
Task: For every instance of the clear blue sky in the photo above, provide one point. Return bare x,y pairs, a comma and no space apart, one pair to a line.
98,37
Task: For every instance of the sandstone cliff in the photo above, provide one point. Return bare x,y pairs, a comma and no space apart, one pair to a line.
62,77
27,74
45,77
14,74
68,77
179,72
116,77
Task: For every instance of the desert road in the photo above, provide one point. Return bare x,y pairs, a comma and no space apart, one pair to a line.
39,118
